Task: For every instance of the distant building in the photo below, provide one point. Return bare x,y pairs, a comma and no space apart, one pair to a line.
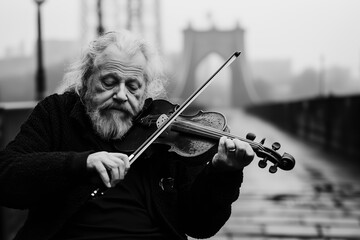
337,80
57,51
17,74
16,66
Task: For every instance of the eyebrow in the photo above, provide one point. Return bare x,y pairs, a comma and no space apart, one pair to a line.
116,76
109,74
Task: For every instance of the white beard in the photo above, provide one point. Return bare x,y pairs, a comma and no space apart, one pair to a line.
109,123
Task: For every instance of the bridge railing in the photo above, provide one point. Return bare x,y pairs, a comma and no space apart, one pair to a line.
331,122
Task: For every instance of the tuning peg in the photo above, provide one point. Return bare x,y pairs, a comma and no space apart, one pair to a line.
262,163
275,146
250,136
262,141
273,168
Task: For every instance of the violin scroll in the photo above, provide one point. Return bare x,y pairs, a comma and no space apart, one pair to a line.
285,162
288,162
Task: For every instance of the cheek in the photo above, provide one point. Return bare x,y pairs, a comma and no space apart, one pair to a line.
100,95
139,95
136,100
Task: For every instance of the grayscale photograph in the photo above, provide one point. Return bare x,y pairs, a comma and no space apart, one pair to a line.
179,120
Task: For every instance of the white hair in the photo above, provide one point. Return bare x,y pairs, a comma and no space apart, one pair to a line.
80,71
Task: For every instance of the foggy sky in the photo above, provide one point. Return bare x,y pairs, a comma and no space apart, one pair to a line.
304,31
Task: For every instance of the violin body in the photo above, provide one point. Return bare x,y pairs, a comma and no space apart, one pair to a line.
187,144
182,143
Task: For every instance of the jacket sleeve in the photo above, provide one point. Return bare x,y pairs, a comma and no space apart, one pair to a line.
31,169
209,200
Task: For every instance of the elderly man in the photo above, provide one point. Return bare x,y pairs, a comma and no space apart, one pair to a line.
69,146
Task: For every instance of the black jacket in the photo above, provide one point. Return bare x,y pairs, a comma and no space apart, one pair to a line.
44,170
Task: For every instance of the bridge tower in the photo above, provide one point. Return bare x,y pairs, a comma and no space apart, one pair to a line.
139,16
199,44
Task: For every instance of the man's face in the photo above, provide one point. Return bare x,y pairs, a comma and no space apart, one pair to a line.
116,91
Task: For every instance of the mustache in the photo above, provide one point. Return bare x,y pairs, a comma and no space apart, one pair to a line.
119,107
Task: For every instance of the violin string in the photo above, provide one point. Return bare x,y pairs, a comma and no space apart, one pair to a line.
210,132
206,131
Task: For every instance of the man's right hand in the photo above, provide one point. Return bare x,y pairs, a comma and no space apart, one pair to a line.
112,167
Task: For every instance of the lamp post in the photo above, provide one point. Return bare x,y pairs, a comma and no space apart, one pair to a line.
100,28
40,74
322,86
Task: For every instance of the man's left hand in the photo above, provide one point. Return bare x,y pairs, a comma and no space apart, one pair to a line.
232,154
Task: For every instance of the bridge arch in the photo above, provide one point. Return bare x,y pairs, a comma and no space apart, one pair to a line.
218,94
199,44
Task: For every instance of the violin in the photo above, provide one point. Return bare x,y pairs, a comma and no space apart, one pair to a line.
193,135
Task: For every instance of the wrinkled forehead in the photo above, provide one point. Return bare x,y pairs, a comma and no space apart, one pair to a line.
113,56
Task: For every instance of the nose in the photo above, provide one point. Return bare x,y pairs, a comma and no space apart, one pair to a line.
120,93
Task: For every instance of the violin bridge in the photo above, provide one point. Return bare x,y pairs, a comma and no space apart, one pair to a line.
161,120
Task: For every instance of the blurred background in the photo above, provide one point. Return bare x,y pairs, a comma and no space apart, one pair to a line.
292,49
298,72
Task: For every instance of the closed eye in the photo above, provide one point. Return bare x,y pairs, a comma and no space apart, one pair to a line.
133,84
108,81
